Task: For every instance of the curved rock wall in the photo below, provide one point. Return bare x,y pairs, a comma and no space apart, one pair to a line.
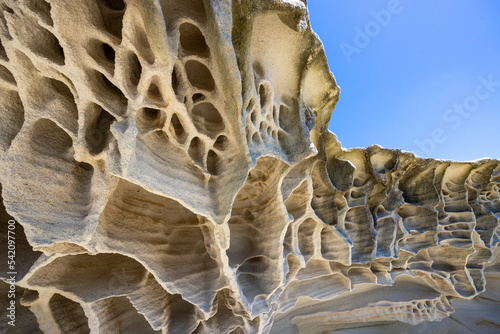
170,169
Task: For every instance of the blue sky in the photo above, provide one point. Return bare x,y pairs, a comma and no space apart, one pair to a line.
423,76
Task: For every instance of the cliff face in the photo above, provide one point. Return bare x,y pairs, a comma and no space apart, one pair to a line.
169,168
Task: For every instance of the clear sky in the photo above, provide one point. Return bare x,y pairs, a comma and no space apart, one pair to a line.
423,76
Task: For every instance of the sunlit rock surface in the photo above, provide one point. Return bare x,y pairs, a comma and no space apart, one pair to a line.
170,168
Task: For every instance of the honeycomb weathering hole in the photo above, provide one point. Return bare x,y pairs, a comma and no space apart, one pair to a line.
221,143
175,83
47,45
265,94
207,118
254,116
103,54
112,18
42,8
114,92
154,93
197,150
213,163
64,91
192,40
134,69
143,46
109,52
150,119
68,315
3,54
178,129
286,120
49,139
256,137
198,97
98,135
275,115
150,114
199,75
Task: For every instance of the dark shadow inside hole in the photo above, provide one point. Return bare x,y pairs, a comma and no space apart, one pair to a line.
179,131
68,315
29,297
256,264
112,20
221,143
275,114
49,139
135,69
103,54
283,140
196,150
258,70
285,118
98,135
199,75
207,118
282,136
150,114
47,45
265,95
250,105
253,117
3,54
85,166
42,8
211,115
256,137
175,82
7,76
154,92
111,87
143,46
213,163
115,4
198,97
63,90
116,94
149,119
109,52
61,52
192,40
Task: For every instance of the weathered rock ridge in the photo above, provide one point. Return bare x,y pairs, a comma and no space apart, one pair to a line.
170,169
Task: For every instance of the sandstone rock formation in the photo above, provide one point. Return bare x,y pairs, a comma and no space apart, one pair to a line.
170,169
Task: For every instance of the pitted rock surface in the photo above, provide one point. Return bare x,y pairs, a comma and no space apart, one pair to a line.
170,169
